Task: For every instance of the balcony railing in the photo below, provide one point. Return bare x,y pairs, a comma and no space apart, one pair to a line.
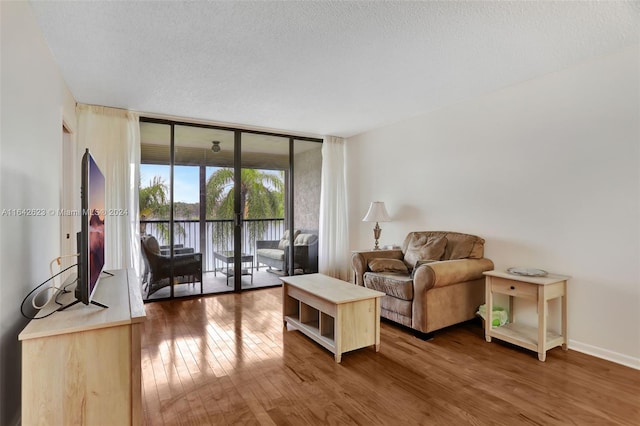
218,234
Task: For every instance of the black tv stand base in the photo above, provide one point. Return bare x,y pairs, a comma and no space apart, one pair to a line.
93,302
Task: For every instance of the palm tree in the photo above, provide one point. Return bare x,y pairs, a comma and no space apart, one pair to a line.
153,199
261,196
154,204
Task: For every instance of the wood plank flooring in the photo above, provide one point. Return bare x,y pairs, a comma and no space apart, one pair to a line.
215,283
227,360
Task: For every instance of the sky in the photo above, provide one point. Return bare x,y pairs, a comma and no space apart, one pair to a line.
186,180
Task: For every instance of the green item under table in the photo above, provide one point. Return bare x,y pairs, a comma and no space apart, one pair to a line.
499,317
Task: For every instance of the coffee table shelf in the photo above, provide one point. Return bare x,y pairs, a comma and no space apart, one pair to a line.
318,306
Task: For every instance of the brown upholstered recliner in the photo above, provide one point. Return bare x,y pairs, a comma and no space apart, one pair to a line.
434,281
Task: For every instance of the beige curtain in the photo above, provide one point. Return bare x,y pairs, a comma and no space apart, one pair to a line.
113,138
334,256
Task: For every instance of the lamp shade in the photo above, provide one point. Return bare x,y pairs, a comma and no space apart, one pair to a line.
377,213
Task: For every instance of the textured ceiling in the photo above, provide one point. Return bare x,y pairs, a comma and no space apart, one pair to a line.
322,68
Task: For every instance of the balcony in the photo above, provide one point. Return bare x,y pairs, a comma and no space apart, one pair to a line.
218,237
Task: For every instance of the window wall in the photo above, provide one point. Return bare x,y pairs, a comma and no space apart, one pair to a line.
212,193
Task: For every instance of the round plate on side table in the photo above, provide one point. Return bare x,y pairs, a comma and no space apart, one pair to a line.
527,272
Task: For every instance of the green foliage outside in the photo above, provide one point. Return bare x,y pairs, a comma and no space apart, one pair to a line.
261,197
154,199
261,194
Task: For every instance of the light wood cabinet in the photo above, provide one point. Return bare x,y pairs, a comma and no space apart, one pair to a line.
538,289
81,366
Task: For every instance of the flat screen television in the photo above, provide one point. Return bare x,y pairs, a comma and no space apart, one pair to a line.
90,239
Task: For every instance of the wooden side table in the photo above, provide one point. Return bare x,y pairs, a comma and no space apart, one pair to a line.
539,289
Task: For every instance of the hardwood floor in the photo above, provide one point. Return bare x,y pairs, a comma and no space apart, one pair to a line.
215,283
227,359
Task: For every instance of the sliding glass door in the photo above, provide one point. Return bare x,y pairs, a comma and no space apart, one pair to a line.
203,200
155,210
264,203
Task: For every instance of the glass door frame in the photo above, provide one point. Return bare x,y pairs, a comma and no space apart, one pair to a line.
238,220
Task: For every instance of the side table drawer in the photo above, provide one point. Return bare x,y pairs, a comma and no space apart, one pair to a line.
514,288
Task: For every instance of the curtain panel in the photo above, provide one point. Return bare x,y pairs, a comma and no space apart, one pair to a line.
113,138
333,256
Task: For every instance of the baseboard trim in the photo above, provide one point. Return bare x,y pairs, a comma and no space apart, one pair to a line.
612,356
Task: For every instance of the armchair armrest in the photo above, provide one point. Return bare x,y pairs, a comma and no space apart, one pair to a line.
186,258
360,261
267,244
175,246
447,272
176,250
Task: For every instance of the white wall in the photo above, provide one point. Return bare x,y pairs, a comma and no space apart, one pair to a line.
546,171
35,100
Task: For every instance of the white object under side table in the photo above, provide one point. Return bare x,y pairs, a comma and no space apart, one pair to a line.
539,289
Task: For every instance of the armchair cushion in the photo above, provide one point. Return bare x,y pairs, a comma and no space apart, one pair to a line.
463,246
423,247
380,264
394,284
462,250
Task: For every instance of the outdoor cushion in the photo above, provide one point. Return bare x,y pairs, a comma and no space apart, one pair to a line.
305,239
152,244
284,241
276,254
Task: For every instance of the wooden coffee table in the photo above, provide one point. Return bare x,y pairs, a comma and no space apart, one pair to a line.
336,314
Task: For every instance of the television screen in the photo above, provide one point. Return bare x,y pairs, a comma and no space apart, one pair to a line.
90,239
95,223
